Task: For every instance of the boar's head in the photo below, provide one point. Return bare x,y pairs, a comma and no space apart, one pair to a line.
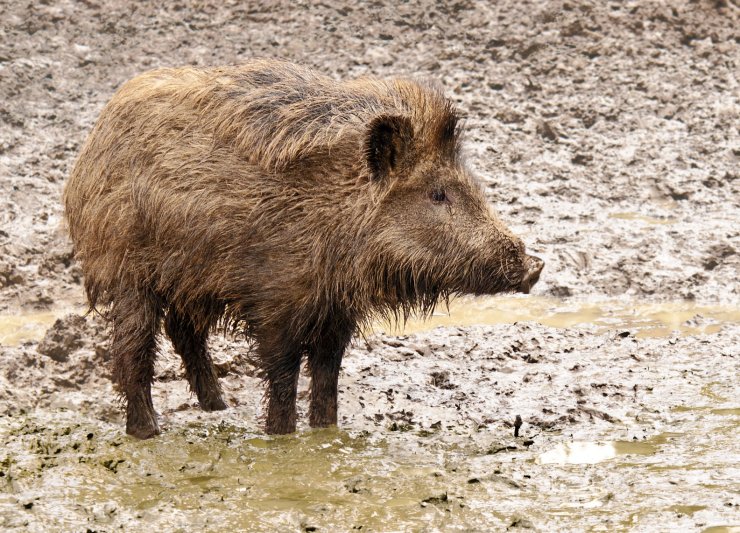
435,231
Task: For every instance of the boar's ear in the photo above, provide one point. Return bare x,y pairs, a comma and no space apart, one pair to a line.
387,144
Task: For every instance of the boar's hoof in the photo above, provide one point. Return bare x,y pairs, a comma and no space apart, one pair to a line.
212,404
142,431
280,427
532,275
141,423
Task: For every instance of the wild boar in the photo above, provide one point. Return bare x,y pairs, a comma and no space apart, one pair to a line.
272,200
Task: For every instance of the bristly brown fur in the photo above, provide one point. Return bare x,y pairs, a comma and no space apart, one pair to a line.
270,199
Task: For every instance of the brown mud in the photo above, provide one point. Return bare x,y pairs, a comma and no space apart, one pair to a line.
605,133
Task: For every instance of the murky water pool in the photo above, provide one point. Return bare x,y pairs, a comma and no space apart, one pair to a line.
642,319
223,479
23,327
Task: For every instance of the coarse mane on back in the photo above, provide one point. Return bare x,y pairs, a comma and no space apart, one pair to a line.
277,113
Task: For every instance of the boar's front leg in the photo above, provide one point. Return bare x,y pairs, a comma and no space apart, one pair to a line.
280,360
324,362
136,315
192,346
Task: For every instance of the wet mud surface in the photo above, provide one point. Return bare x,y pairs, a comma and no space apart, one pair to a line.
605,133
617,432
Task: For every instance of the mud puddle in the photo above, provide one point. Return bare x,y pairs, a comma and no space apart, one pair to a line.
614,438
594,452
642,319
15,329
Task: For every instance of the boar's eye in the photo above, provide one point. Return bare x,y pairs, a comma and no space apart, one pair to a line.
438,196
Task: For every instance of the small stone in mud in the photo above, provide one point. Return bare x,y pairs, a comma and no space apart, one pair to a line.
547,130
112,464
354,485
441,380
498,449
435,500
678,194
522,523
402,427
9,275
581,159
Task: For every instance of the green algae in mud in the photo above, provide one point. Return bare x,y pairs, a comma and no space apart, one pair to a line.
686,509
710,390
643,319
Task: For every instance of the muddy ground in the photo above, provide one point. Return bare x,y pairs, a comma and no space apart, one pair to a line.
605,133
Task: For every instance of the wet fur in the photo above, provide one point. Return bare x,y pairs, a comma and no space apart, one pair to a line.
255,198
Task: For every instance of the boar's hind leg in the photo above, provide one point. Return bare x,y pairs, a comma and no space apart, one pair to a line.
136,317
191,345
324,361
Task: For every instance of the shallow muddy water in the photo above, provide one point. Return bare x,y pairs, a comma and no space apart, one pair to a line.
60,471
23,327
646,219
641,318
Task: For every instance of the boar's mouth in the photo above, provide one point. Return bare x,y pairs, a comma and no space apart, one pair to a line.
532,268
520,278
405,291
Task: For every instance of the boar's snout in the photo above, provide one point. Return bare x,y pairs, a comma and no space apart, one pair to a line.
533,266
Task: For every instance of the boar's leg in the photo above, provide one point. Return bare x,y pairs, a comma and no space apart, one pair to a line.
136,317
281,364
324,361
191,345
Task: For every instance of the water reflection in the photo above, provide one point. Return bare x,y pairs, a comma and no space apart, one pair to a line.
579,453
